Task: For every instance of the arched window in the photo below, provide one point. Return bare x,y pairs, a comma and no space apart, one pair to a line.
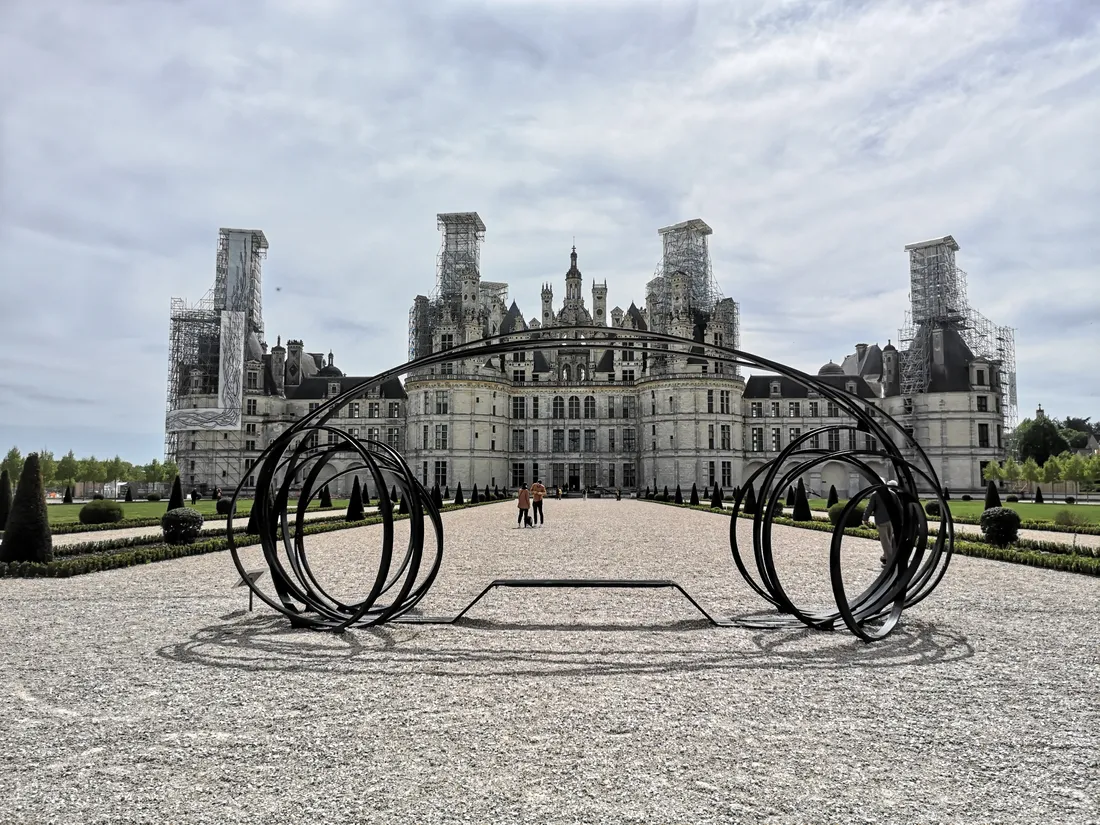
559,407
574,407
566,373
581,374
589,406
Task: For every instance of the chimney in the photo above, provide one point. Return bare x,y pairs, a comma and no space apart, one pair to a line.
861,350
278,366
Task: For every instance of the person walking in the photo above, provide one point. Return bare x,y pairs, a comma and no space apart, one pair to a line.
538,493
877,507
524,505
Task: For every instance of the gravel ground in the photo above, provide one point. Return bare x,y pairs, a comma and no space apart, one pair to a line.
151,695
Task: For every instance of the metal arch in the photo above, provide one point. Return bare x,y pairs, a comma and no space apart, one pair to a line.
402,580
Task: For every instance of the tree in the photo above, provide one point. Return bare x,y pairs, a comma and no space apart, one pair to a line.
1029,471
1051,471
1082,425
1010,470
355,506
13,462
833,497
112,469
992,498
992,472
175,501
801,504
694,495
1077,439
153,473
1076,470
1039,439
5,496
48,465
27,529
67,468
169,469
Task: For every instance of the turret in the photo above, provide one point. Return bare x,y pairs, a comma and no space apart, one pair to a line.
278,366
294,363
599,304
891,374
547,305
573,280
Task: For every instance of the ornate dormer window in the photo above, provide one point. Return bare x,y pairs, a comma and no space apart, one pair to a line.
850,386
253,380
775,388
333,388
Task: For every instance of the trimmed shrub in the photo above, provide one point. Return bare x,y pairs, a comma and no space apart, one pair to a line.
355,505
652,494
790,497
253,527
458,495
486,495
749,504
403,504
175,501
1070,500
801,504
68,497
27,528
933,508
97,496
833,497
1067,518
181,525
992,497
679,497
325,498
447,492
1012,499
394,498
5,498
946,494
1039,495
855,517
475,496
437,497
153,497
716,498
966,497
1000,526
129,493
694,499
647,491
101,511
665,494
224,505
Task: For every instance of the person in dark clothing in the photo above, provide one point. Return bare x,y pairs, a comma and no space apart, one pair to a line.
538,493
524,504
877,507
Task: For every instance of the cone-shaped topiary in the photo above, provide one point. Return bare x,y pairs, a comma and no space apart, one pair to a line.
253,528
647,491
801,504
129,492
366,495
5,498
458,495
355,505
496,492
68,498
488,496
326,497
790,496
716,498
447,491
27,528
475,496
694,499
437,497
833,497
403,504
679,499
946,494
665,498
749,505
393,495
992,497
1038,495
175,501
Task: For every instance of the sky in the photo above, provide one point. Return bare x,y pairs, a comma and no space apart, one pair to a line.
815,138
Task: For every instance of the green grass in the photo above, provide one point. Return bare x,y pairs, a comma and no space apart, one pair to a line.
1029,511
70,513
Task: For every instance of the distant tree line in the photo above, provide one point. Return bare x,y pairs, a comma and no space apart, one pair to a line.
96,472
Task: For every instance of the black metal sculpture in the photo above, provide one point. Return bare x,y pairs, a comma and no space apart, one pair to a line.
308,446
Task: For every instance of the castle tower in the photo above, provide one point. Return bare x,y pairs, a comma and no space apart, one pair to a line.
293,363
547,305
617,316
278,365
573,281
891,377
599,304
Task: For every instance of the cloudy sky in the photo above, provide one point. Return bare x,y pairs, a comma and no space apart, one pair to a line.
816,138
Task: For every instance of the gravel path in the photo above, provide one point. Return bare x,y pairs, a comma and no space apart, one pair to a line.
150,695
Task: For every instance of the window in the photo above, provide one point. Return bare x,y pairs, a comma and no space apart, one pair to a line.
574,407
590,441
519,408
910,433
589,406
725,436
446,342
253,380
557,475
518,441
777,438
756,409
333,388
710,473
727,473
558,443
441,436
447,368
250,445
629,477
758,439
250,406
628,375
372,434
815,442
311,441
628,407
815,409
441,474
534,471
313,405
710,436
517,473
574,441
983,435
610,407
981,377
519,376
425,443
907,406
395,409
611,439
393,437
424,473
517,357
250,428
850,387
775,388
332,438
628,354
775,409
372,409
793,434
983,403
653,406
834,440
710,401
353,409
355,433
534,442
869,443
442,407
794,409
1000,436
535,407
428,402
629,444
832,410
558,407
610,475
724,402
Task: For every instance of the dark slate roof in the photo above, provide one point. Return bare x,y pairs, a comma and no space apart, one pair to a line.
317,388
541,364
636,314
509,322
606,362
871,364
759,386
954,375
831,369
269,376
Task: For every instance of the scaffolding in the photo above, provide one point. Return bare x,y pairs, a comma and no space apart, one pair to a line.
209,342
460,253
937,293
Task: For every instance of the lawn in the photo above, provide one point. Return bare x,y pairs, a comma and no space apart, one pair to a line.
1029,511
70,513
